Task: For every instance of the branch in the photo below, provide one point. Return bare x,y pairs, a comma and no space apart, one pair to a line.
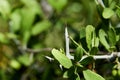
23,50
103,56
38,50
110,56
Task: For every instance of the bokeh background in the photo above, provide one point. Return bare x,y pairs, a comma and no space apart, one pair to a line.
29,29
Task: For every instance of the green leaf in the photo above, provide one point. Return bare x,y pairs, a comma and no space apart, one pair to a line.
89,34
117,38
3,38
82,33
90,75
102,37
29,13
28,17
112,4
65,75
15,64
112,37
26,37
58,4
15,20
11,35
118,12
34,6
96,42
79,53
5,8
71,74
78,77
40,27
87,60
107,13
94,50
62,59
25,59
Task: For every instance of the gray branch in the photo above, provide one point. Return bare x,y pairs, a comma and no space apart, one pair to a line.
107,57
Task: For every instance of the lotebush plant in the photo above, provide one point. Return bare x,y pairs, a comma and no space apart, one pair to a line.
30,30
92,38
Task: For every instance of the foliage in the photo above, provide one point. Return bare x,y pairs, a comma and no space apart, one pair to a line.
30,29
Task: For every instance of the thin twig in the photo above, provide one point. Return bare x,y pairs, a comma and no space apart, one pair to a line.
79,46
38,50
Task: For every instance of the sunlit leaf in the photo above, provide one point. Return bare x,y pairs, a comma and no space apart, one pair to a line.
96,42
90,75
89,35
15,64
40,27
65,75
5,8
15,22
62,59
107,13
28,17
34,6
29,13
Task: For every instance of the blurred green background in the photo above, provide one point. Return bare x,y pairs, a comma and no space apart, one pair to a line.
29,29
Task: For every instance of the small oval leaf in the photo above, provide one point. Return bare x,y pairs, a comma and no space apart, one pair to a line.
15,20
90,75
107,13
79,53
62,59
102,38
57,4
5,8
87,60
89,32
112,36
94,50
40,27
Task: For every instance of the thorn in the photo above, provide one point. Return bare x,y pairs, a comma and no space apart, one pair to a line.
49,58
67,44
100,2
60,67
